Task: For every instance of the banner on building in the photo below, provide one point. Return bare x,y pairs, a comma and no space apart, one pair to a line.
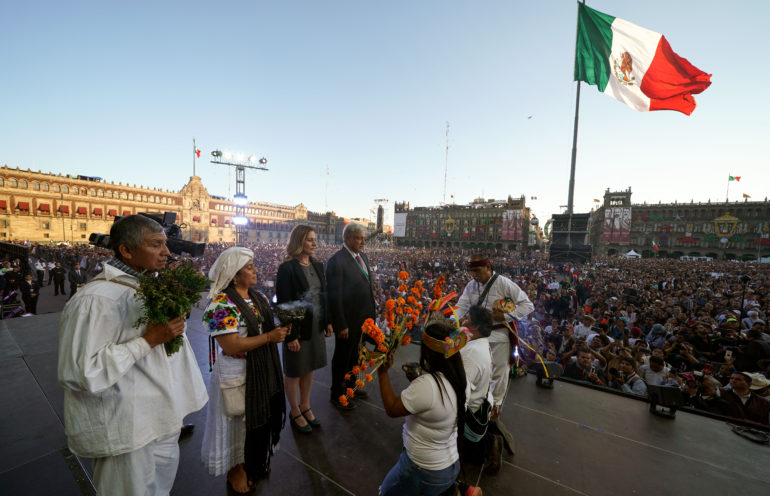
617,225
399,225
512,225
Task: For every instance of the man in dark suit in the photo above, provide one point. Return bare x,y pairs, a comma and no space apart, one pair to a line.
351,302
58,279
77,277
29,290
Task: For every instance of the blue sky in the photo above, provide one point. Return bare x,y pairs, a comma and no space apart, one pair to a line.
366,88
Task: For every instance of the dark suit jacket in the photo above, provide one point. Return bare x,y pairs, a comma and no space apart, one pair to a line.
351,297
25,289
58,274
291,285
75,280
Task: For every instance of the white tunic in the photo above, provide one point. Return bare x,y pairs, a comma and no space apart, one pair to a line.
120,394
501,289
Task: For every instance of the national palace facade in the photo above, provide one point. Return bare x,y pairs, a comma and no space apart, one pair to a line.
45,207
720,230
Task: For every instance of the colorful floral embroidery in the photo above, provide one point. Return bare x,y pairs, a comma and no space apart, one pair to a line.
222,314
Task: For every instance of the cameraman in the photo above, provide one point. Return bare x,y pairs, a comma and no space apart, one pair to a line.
124,398
626,378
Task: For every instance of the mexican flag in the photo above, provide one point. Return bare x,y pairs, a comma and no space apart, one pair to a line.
634,65
655,245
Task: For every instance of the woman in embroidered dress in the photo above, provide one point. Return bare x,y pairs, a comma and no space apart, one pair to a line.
241,323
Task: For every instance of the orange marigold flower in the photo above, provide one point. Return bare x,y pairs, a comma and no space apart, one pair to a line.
403,275
356,369
411,300
402,288
399,310
419,305
381,348
418,284
400,301
343,400
372,361
390,304
409,325
368,377
360,384
347,376
415,291
349,392
406,340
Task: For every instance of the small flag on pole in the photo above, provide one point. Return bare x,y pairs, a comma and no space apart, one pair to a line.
746,196
734,178
197,153
655,245
533,198
597,200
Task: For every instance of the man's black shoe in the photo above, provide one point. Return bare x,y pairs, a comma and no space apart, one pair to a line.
187,429
361,394
347,407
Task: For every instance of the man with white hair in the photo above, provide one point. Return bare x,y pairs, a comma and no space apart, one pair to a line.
351,302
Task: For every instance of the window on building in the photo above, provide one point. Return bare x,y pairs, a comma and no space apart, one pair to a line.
100,193
46,225
23,184
83,226
36,186
75,190
12,182
65,189
109,194
130,196
2,181
46,235
93,192
45,186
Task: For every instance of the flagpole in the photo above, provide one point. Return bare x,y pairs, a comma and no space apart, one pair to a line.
195,152
727,195
571,197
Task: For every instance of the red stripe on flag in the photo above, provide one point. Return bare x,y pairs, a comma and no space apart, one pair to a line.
671,81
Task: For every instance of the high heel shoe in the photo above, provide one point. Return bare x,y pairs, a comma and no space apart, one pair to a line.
304,429
314,423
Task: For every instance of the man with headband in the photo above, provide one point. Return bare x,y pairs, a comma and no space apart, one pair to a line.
506,301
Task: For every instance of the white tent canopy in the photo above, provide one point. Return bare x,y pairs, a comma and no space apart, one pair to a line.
632,254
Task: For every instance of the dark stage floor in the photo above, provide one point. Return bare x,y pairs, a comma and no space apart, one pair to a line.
569,440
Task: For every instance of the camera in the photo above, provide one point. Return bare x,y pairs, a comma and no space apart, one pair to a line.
173,232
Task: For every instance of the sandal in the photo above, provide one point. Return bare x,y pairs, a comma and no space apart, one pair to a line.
304,429
313,423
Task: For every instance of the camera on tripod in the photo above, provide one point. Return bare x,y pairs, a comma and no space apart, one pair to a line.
173,232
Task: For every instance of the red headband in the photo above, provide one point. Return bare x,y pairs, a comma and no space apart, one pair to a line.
478,263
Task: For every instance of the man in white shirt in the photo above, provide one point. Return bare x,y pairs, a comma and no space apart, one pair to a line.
584,328
506,301
477,361
124,398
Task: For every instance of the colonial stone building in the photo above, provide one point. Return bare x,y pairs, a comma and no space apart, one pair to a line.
487,224
720,230
38,206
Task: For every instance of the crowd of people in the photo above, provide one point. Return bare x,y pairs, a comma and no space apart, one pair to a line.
696,326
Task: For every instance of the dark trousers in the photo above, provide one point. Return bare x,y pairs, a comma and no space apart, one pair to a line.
40,277
73,290
30,303
345,357
58,287
50,277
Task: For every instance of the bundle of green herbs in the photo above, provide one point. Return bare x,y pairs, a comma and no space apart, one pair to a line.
170,294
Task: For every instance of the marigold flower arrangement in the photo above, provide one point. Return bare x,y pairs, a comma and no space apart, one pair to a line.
401,315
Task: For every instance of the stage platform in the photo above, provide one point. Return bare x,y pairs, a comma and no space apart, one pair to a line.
569,440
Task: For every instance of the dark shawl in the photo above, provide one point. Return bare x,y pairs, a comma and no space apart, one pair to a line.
265,404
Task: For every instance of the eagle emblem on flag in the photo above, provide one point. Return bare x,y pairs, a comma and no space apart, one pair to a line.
622,68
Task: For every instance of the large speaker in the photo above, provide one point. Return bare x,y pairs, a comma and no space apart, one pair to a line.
568,239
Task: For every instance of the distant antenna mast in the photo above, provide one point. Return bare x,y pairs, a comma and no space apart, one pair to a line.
326,190
446,160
